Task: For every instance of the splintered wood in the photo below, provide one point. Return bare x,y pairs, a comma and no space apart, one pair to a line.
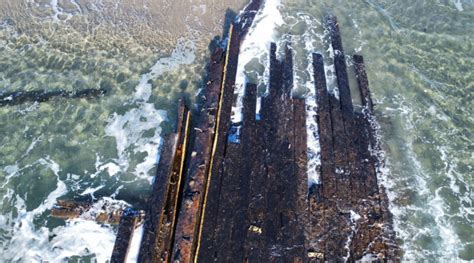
247,199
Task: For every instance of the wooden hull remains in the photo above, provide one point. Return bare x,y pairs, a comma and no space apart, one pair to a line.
221,200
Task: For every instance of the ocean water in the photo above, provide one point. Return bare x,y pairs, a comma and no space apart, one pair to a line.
419,57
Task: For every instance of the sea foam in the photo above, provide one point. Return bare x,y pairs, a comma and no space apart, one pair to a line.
128,128
256,45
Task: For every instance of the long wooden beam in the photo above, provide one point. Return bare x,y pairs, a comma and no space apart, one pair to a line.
340,64
20,97
124,235
190,225
167,190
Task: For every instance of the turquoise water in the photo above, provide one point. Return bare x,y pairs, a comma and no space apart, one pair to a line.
419,60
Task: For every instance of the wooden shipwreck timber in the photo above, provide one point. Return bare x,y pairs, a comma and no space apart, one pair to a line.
217,199
20,97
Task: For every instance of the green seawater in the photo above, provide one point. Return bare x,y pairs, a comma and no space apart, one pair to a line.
419,57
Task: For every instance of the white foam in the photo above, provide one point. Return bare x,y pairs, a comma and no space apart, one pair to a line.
78,7
28,241
112,168
91,191
368,258
105,205
312,128
384,13
352,222
359,32
58,11
80,238
304,81
129,127
458,5
11,170
134,249
354,216
202,9
100,166
256,45
32,145
128,131
433,206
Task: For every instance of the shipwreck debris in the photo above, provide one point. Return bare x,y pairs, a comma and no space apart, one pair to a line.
20,97
221,199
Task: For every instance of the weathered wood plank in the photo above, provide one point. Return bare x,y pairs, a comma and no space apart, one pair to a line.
264,184
273,187
124,235
65,209
326,190
291,233
363,82
328,180
353,169
340,64
368,141
230,228
340,146
229,198
192,217
205,130
167,189
191,205
240,222
254,248
247,16
156,201
301,173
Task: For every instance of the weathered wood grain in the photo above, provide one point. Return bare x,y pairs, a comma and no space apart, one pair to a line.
124,235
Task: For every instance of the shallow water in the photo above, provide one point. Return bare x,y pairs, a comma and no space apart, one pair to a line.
149,53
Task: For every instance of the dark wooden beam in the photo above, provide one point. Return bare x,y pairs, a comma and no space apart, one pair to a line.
301,175
365,120
161,216
246,17
20,97
340,64
241,224
193,214
124,235
363,82
325,129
